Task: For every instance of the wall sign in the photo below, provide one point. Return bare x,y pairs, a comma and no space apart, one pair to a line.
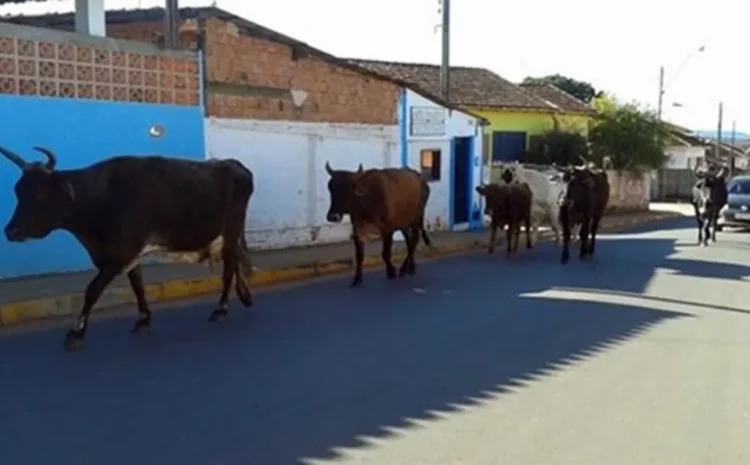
426,121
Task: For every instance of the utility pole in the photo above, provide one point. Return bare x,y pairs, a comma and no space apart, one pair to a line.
661,92
732,162
445,64
718,132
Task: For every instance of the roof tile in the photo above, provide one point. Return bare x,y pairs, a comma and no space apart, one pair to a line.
474,87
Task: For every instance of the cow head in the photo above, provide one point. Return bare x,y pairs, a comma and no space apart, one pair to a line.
341,187
511,173
494,197
43,196
577,182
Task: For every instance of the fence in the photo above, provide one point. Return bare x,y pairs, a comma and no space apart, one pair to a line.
88,98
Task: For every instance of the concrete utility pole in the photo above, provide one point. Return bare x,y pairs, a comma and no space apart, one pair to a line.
661,91
732,161
718,131
445,64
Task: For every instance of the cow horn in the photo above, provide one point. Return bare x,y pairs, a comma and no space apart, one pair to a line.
328,168
14,157
51,157
359,168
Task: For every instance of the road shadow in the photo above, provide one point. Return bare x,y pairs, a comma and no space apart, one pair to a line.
313,369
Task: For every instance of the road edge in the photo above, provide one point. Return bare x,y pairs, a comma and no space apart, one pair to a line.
15,313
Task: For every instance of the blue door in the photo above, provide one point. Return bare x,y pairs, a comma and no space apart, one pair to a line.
508,146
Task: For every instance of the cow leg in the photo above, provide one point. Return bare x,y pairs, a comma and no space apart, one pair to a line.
583,236
527,222
565,222
75,337
516,236
359,257
135,277
412,239
554,223
714,221
700,224
508,240
390,270
229,256
594,230
244,266
493,236
706,231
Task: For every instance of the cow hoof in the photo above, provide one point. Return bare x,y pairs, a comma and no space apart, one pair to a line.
142,327
356,282
73,341
218,315
247,300
564,259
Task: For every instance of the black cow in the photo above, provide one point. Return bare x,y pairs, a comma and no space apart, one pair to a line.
508,204
125,207
583,203
380,202
708,197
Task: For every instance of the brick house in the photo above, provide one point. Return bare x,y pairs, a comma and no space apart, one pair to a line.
285,108
250,69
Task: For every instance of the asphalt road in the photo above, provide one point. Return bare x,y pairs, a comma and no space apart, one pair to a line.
640,357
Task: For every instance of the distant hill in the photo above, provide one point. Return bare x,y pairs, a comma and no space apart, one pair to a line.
740,138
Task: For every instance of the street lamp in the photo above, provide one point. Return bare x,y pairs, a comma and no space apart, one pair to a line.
663,87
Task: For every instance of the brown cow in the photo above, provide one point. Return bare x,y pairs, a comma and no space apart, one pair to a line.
508,204
379,202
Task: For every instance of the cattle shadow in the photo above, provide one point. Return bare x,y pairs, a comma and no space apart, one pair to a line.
312,370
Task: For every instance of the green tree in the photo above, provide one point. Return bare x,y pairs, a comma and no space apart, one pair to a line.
557,146
579,89
633,138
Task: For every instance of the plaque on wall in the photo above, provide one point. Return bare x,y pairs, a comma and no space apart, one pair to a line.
427,121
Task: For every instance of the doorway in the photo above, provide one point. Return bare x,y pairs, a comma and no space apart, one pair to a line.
462,175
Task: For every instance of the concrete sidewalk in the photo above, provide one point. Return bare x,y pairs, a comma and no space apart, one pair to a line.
40,297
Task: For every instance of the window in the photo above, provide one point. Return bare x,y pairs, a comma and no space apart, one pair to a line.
429,162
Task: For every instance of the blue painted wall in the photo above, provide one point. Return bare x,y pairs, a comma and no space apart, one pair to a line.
81,132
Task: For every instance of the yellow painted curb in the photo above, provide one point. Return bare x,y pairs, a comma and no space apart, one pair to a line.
37,309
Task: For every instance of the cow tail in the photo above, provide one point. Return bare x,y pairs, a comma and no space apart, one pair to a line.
243,254
425,237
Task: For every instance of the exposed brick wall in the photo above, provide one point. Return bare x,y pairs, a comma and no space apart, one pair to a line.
251,78
268,72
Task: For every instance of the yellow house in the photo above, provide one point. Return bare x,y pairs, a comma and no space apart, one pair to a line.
516,113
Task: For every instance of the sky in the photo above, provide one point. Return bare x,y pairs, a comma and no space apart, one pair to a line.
618,48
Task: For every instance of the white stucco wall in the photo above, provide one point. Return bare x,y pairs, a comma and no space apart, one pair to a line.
683,157
457,124
288,160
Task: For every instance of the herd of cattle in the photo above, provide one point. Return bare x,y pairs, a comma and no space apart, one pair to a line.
126,207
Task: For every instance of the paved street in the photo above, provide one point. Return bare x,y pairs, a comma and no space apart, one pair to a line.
640,357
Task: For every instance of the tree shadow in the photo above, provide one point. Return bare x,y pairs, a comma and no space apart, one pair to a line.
313,369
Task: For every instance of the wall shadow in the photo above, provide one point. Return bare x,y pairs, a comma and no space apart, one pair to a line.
314,368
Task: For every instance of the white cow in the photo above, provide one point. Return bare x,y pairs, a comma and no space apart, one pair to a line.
546,188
